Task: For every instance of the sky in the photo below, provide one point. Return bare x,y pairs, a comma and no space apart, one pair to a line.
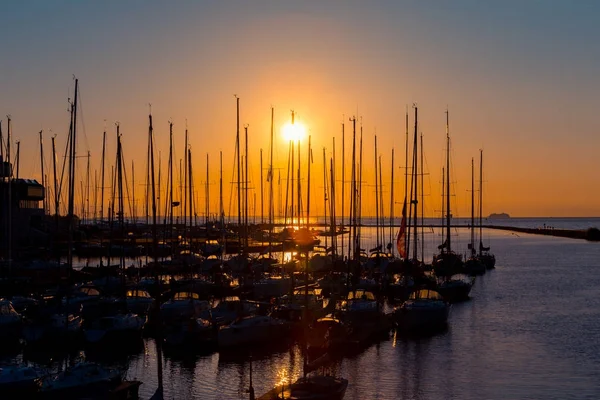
519,79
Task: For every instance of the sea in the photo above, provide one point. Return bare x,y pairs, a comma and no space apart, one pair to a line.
531,330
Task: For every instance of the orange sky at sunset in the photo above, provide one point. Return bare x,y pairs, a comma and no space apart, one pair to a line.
519,82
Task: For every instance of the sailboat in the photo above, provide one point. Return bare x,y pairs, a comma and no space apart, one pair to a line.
425,309
309,387
121,325
473,265
447,262
487,258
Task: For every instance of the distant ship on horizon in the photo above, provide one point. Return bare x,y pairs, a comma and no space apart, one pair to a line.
498,215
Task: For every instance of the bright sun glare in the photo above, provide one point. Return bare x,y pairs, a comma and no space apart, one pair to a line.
294,132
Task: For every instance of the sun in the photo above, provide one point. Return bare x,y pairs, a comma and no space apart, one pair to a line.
294,131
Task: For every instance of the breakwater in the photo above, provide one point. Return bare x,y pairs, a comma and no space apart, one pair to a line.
591,234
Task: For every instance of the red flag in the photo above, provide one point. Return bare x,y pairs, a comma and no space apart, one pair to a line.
401,240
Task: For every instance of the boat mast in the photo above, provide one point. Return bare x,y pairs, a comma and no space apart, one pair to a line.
359,193
309,162
185,179
72,155
391,202
155,242
18,156
381,214
121,214
352,223
480,199
42,164
415,185
134,210
246,180
299,182
332,203
171,183
448,214
472,207
262,210
325,197
376,197
207,188
221,209
343,180
102,176
422,204
239,180
87,189
190,194
270,175
56,197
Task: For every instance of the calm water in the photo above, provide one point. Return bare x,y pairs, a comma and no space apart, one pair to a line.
531,331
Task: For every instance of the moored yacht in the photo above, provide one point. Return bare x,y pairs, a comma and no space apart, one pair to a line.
252,330
80,380
425,309
115,327
183,305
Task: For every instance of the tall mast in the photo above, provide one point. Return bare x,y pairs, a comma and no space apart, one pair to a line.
376,197
154,239
72,155
332,203
380,206
133,211
422,203
448,213
262,212
152,189
246,180
299,187
309,154
416,185
325,195
185,179
221,210
121,214
18,161
55,179
170,180
207,212
343,179
392,200
239,181
87,189
332,207
359,193
472,206
190,194
292,173
102,175
406,160
480,198
352,213
43,175
96,195
270,174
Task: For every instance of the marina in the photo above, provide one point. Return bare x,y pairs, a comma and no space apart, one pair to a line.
299,200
